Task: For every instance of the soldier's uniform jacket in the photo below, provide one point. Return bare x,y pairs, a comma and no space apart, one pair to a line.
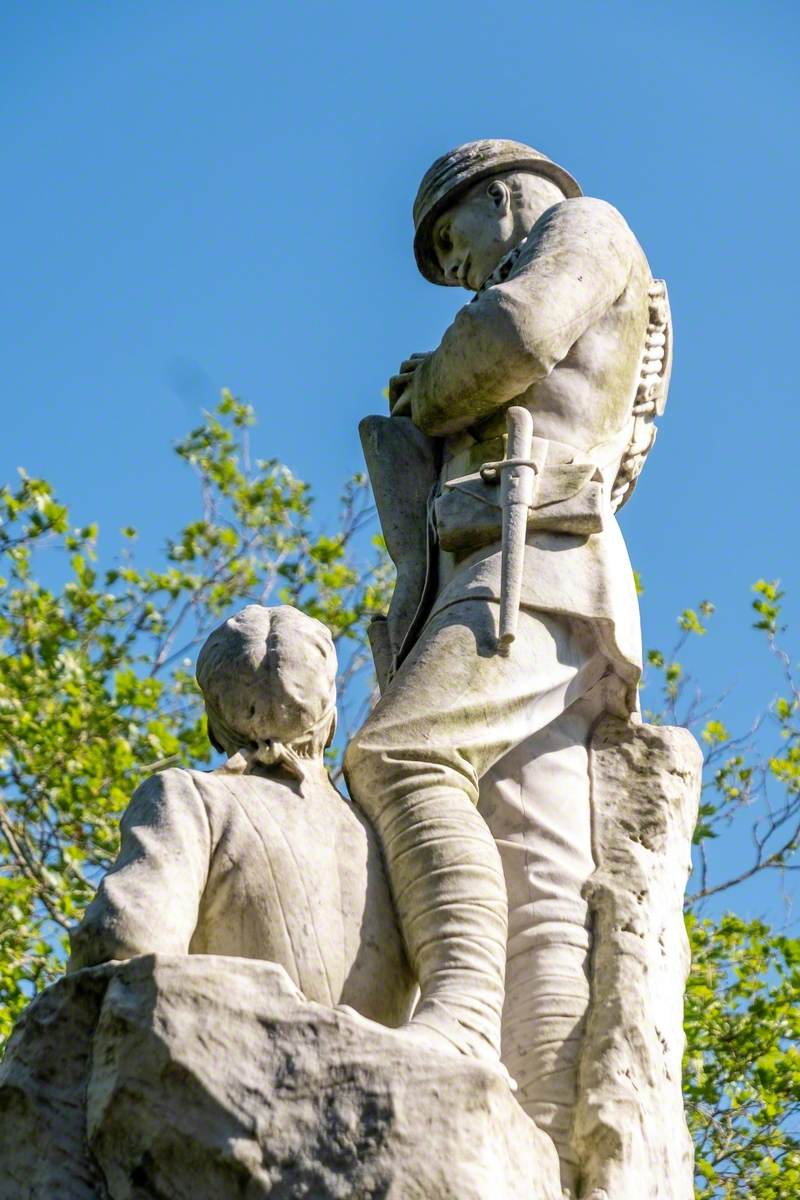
572,326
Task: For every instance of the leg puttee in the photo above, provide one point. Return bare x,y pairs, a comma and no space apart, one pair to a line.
448,886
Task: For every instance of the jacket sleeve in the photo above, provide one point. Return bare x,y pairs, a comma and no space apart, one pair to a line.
575,265
148,902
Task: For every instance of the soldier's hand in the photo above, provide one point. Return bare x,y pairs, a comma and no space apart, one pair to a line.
399,400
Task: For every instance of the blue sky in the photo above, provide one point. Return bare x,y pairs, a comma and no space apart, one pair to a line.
198,195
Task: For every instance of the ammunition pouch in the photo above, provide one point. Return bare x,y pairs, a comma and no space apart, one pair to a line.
569,499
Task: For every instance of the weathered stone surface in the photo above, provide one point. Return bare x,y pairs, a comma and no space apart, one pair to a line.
212,1077
630,1129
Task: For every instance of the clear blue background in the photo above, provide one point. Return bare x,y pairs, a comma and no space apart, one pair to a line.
204,194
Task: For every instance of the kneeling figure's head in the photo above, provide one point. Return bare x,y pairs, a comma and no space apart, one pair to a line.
268,678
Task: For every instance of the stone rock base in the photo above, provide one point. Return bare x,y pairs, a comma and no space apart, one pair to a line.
203,1078
630,1129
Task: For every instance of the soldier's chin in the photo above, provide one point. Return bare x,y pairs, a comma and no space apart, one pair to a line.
480,272
477,279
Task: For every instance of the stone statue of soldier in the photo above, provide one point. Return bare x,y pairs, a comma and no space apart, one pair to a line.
474,765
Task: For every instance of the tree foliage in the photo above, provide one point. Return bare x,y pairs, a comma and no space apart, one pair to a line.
97,691
742,1075
742,1015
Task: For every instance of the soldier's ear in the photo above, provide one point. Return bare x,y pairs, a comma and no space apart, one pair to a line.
500,194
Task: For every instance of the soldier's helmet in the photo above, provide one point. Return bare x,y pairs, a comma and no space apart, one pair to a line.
457,171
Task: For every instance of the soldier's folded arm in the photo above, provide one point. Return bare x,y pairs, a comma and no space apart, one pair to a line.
574,266
149,901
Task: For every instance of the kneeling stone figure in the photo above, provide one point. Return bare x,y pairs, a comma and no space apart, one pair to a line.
195,1074
262,858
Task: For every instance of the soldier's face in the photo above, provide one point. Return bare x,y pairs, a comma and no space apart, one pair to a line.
471,237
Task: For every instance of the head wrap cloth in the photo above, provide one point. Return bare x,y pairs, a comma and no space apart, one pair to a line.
268,677
457,171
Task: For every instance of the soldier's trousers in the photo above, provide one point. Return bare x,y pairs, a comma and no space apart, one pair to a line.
456,714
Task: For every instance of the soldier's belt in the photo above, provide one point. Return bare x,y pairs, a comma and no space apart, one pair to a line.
569,499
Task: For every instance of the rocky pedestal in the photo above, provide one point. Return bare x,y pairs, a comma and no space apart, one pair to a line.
202,1078
198,1076
630,1128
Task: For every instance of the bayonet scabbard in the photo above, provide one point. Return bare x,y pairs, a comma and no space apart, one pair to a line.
517,481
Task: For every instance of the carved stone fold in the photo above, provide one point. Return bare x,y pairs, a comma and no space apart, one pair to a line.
630,1129
211,1077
